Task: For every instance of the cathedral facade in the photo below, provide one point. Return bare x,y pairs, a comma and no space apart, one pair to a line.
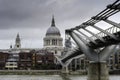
53,40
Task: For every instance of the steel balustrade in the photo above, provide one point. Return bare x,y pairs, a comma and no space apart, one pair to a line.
111,30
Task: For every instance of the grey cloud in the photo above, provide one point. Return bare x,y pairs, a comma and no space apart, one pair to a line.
14,12
31,18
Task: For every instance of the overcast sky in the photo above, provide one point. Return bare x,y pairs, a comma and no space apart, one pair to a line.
31,18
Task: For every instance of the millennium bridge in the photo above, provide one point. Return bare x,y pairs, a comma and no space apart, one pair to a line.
98,47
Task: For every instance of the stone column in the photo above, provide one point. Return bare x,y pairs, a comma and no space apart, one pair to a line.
98,71
58,44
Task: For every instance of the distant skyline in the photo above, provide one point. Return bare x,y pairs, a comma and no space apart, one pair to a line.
32,18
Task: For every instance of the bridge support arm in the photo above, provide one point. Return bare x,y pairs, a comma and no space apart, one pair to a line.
90,53
59,59
73,43
106,52
112,23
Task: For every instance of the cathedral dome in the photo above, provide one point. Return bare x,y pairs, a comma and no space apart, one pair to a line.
53,30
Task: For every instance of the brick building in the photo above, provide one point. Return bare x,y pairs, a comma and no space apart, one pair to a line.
32,59
3,59
44,60
25,60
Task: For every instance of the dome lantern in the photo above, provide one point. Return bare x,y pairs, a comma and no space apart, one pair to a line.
53,30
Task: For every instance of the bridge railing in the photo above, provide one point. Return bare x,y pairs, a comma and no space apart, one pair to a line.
111,30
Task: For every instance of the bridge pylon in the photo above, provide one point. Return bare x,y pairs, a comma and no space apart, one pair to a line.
98,71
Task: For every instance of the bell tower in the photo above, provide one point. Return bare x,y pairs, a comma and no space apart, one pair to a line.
17,42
